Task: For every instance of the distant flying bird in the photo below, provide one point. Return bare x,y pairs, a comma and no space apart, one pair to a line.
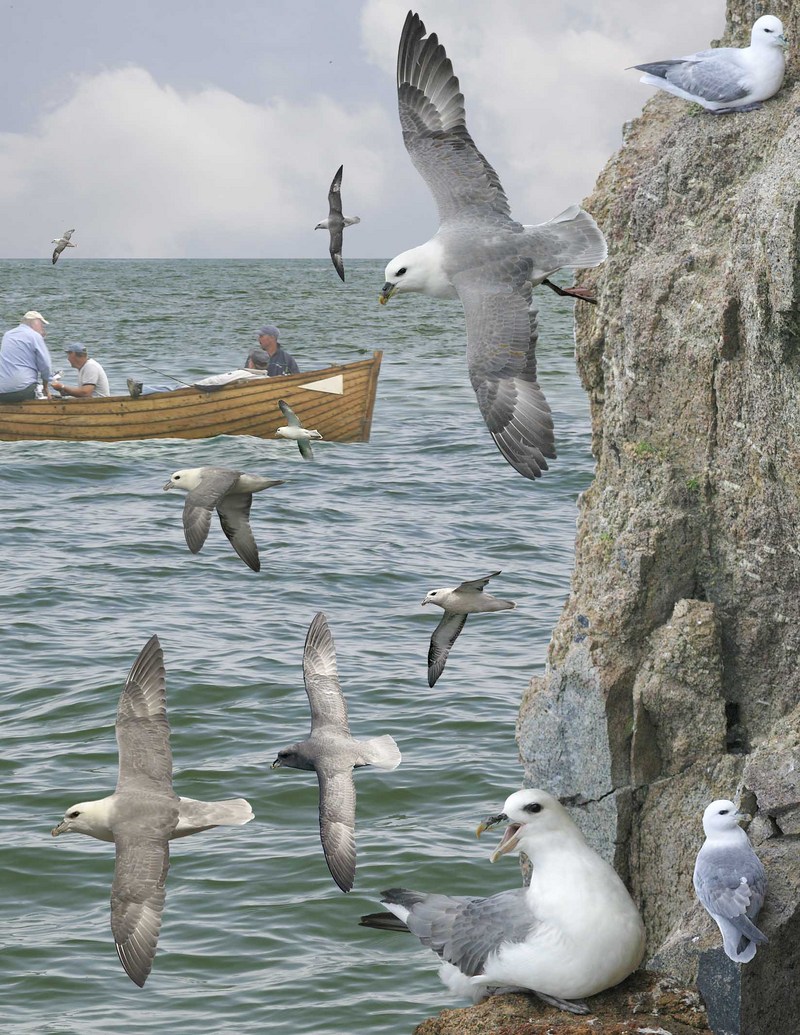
481,255
333,752
726,79
458,602
61,243
296,431
573,932
231,494
730,881
336,222
144,814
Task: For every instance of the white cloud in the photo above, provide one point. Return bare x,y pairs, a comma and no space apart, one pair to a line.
144,169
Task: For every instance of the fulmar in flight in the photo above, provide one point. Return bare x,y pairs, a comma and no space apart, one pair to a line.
144,814
228,492
333,752
61,243
336,222
481,255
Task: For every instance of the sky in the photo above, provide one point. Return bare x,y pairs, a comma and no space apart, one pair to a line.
213,128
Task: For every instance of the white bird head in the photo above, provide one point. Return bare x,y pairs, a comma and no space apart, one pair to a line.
187,479
534,817
720,817
768,31
87,817
322,226
435,596
419,269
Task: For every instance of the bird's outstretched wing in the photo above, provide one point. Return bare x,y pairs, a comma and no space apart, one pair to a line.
337,822
501,356
444,636
325,697
435,133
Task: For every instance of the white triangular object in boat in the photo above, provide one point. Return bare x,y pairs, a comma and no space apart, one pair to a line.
331,385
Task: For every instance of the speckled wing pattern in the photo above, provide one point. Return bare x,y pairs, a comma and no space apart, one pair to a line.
321,678
443,638
432,119
146,813
137,900
709,75
200,504
145,756
337,821
465,931
501,356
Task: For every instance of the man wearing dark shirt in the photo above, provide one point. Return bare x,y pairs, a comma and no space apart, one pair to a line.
280,362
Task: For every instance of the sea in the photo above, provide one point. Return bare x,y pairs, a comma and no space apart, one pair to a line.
256,936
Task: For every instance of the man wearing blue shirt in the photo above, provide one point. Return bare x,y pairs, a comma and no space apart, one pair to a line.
23,357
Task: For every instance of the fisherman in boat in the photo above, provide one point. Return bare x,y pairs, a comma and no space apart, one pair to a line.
92,380
279,361
23,357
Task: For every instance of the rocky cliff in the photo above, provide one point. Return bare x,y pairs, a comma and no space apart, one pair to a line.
672,675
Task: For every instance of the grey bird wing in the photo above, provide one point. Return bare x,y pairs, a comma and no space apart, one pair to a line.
68,233
325,697
145,757
444,636
501,356
305,446
137,900
234,516
336,250
465,931
200,504
477,584
335,196
59,248
337,822
718,883
712,78
435,133
290,416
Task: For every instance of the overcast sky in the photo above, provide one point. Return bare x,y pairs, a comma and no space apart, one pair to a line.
214,127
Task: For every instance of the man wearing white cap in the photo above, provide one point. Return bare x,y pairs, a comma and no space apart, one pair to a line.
23,357
92,380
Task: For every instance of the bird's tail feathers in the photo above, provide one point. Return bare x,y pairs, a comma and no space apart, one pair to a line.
200,815
382,752
580,241
383,922
352,220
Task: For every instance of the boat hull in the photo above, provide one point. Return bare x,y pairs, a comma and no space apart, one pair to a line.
337,401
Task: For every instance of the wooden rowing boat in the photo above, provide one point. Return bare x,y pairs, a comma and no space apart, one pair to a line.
337,401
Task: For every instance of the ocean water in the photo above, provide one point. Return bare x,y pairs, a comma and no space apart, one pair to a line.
256,936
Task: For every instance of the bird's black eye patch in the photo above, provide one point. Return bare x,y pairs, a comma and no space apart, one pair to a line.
534,806
724,812
73,815
767,30
400,272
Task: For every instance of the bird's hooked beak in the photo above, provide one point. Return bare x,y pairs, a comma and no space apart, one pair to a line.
510,838
743,817
169,485
62,828
386,292
276,764
423,602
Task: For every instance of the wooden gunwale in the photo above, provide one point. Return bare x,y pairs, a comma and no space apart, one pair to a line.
243,408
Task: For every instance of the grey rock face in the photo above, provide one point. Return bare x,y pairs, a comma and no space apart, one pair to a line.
673,674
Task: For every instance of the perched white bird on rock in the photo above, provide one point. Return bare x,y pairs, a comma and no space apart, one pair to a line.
726,79
573,932
144,814
730,881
